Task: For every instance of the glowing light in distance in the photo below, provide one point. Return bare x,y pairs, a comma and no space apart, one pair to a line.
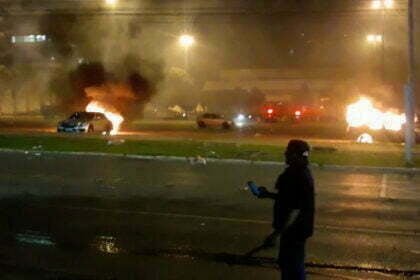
186,41
240,117
365,138
374,38
388,4
111,2
376,4
380,4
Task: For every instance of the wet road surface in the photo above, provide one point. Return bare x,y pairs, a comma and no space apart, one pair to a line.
79,214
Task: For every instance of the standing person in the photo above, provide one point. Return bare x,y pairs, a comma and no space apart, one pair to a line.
293,212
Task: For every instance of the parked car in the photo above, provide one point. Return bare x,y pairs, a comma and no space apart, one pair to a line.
213,120
84,122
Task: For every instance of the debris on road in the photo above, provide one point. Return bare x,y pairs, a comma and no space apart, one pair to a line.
115,142
197,160
38,147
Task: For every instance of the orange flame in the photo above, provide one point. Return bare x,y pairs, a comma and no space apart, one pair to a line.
363,113
115,118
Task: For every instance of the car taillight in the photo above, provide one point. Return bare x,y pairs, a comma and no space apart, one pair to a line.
270,111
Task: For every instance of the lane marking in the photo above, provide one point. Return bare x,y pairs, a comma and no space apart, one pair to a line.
384,185
237,220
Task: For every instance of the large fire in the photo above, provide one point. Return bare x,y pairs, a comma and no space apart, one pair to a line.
115,118
363,113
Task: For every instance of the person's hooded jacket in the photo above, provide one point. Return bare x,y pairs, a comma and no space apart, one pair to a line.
295,188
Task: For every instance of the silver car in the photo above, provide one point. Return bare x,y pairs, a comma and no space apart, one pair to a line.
213,120
83,122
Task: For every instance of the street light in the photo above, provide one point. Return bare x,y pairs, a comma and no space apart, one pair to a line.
374,38
111,2
382,4
186,41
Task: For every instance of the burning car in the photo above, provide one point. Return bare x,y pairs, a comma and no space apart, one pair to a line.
83,122
366,122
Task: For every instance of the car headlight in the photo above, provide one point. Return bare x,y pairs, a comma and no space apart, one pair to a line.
240,117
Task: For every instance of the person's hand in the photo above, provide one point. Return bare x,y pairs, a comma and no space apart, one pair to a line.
263,192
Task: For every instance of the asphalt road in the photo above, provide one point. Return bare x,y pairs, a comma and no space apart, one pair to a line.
130,218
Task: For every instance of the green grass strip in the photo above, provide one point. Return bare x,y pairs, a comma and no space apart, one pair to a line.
191,148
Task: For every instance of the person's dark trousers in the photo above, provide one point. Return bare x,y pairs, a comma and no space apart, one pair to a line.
292,259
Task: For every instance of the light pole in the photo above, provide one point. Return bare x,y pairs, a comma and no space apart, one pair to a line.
409,94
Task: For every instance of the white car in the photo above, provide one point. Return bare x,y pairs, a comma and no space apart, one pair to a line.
84,122
213,120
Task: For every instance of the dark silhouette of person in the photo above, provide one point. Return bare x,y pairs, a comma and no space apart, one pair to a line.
293,211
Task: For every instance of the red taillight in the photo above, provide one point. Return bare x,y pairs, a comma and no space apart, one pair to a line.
298,113
270,111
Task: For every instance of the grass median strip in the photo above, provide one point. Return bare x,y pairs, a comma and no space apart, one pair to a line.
205,149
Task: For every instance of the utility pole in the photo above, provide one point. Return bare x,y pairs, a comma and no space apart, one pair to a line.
409,91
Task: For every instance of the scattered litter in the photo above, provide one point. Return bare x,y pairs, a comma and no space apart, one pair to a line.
197,160
99,180
115,142
34,237
108,188
38,147
117,180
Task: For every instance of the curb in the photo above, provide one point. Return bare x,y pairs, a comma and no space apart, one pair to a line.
202,161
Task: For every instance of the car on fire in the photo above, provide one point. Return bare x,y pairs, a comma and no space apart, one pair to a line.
84,122
213,120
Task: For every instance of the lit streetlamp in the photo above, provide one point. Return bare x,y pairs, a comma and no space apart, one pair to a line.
374,38
382,4
111,2
186,41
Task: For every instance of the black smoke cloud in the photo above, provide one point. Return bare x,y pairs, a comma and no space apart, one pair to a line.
125,93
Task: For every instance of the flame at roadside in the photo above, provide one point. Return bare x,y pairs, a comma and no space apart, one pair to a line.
363,113
115,118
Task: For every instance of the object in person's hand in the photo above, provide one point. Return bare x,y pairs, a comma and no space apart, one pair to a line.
254,188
